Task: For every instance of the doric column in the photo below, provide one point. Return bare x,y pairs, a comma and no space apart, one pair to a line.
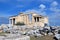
10,21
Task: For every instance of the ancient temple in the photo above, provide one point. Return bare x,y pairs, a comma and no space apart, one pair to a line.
33,19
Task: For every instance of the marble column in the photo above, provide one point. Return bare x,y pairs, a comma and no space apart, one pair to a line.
10,21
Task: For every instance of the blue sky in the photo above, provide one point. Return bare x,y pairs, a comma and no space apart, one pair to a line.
50,8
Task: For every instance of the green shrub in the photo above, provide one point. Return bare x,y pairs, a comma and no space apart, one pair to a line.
20,23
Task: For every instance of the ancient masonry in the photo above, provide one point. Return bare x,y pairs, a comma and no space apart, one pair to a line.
34,19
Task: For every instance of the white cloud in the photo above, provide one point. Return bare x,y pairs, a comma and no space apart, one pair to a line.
40,11
55,15
55,3
35,11
42,6
54,7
